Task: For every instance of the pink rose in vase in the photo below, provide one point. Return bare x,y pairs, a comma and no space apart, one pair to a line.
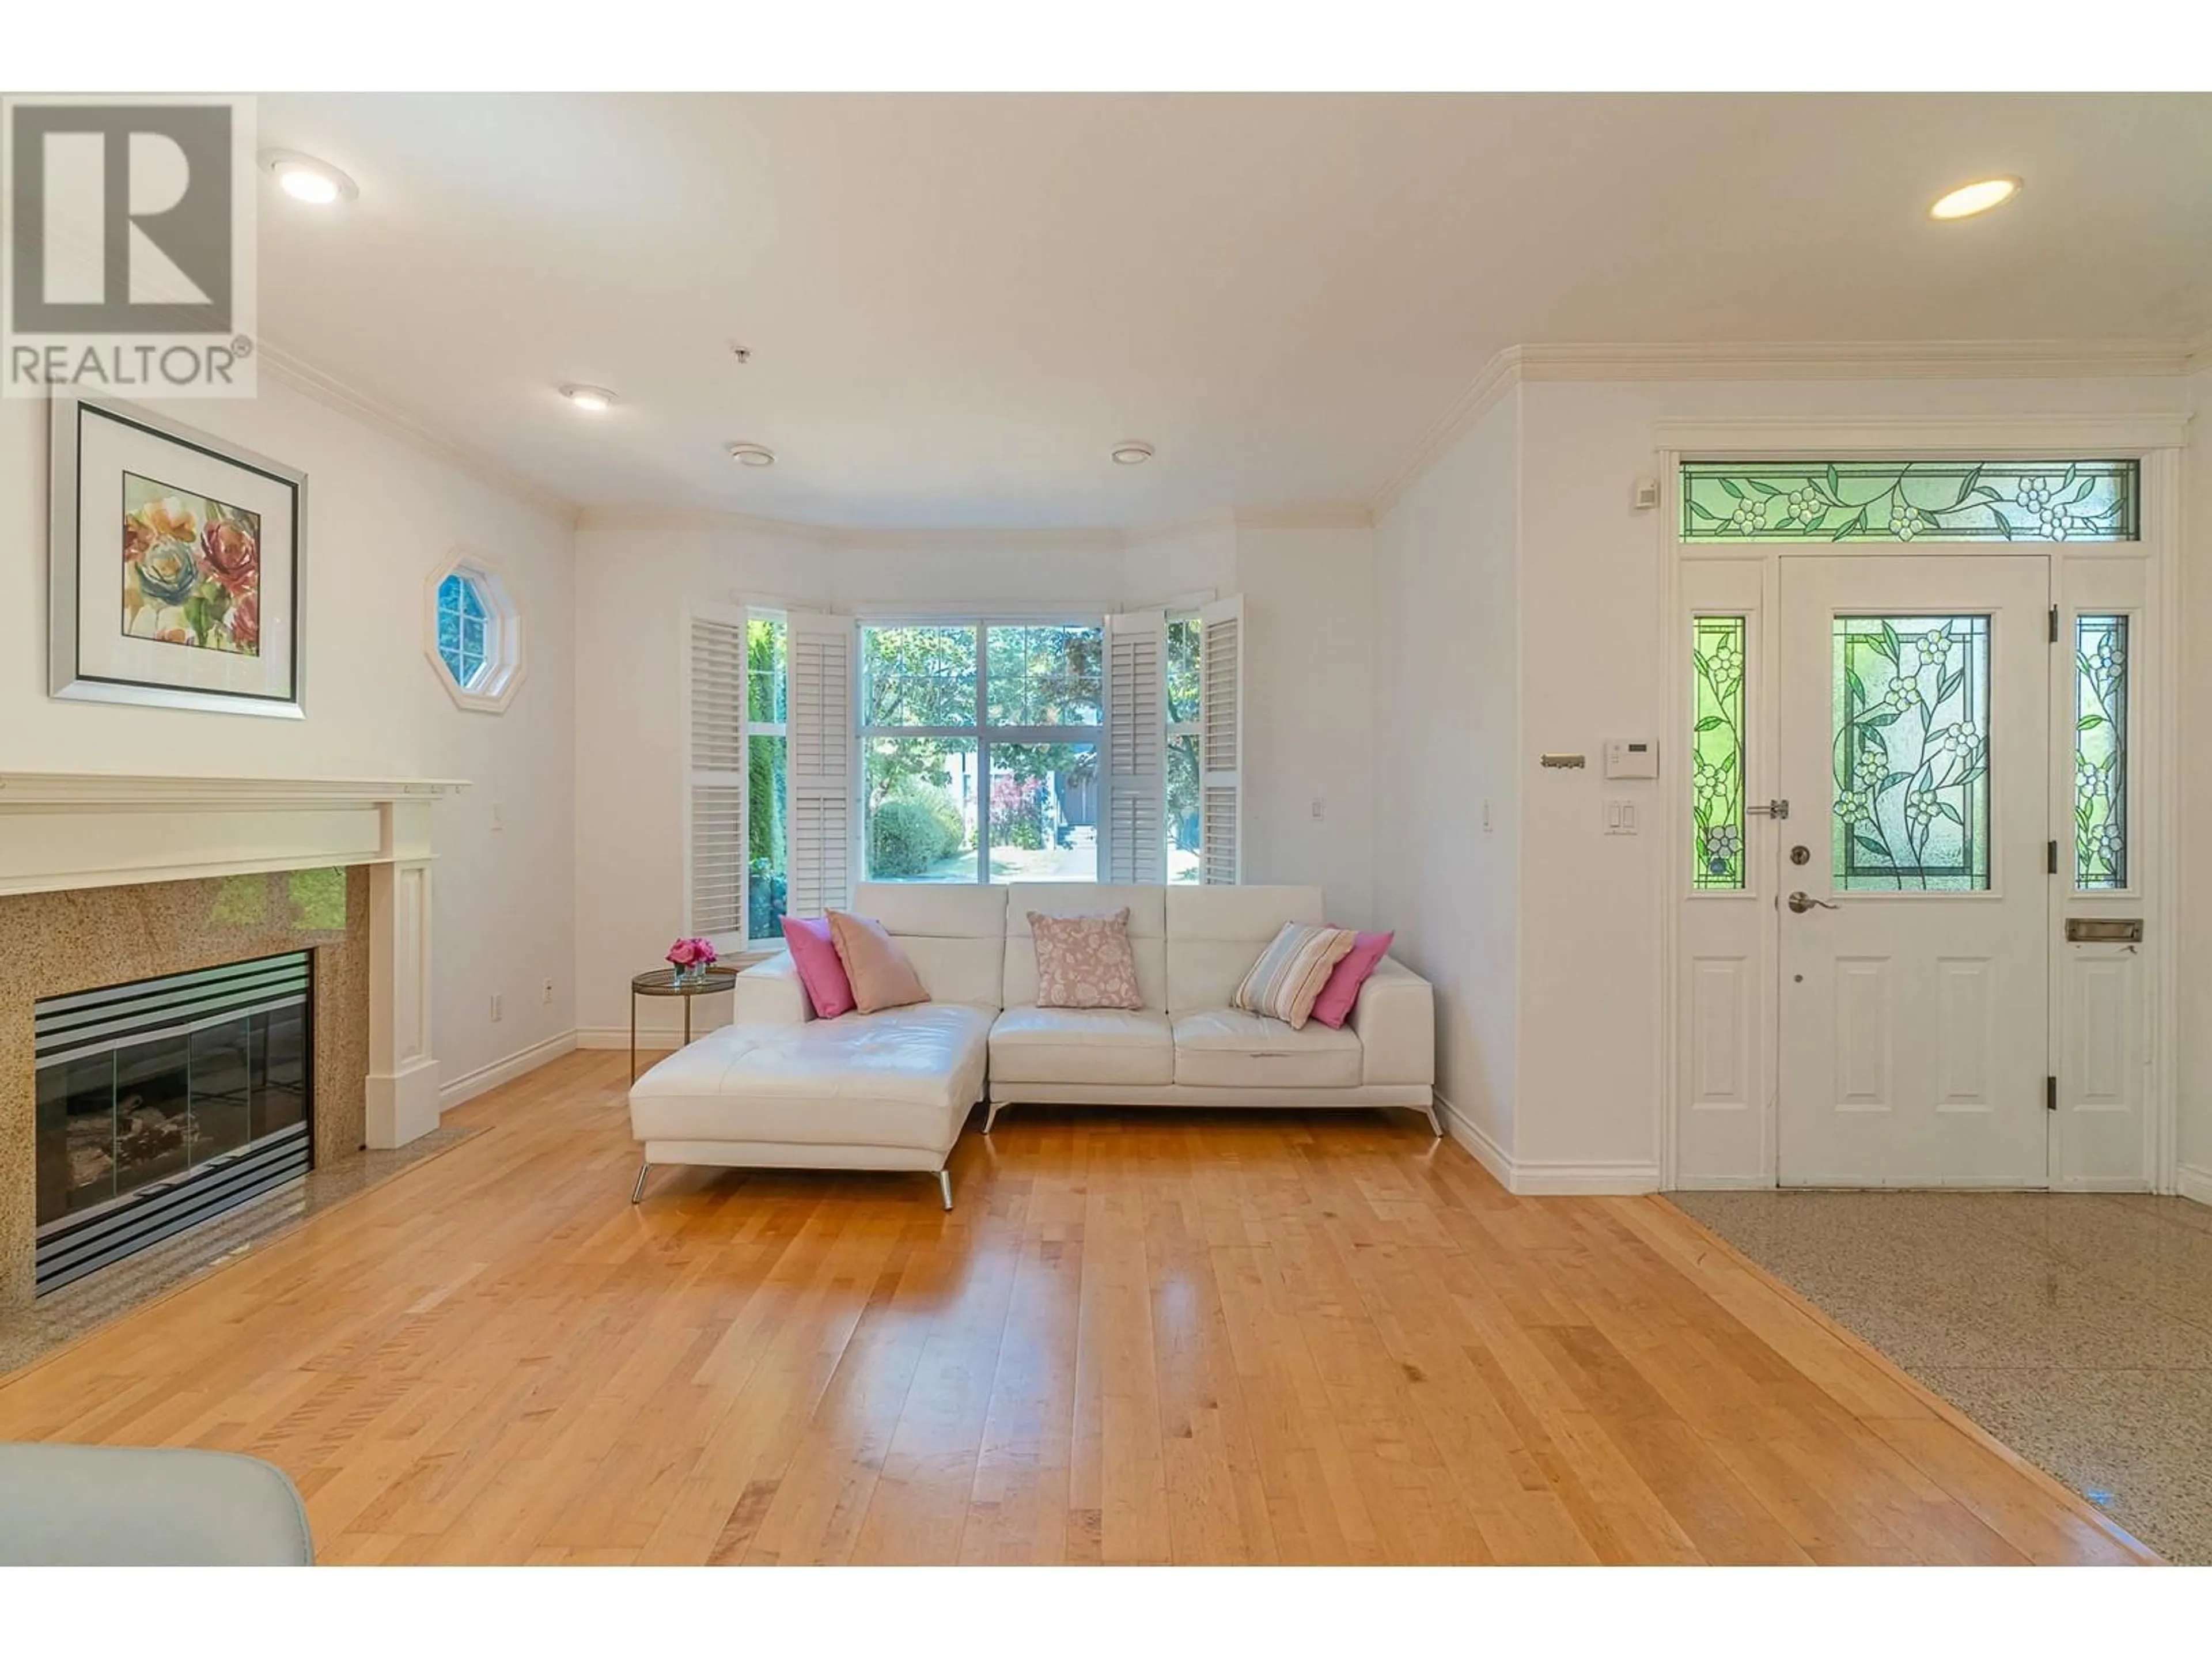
691,958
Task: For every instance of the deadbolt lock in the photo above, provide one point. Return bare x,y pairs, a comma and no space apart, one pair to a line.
1800,855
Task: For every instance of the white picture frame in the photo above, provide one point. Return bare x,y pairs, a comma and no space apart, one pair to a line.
217,634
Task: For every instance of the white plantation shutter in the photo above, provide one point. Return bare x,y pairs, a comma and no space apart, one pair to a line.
715,830
1221,709
820,714
1135,816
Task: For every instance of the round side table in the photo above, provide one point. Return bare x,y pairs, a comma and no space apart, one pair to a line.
663,982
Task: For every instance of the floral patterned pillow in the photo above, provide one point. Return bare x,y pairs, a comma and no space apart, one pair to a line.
1085,962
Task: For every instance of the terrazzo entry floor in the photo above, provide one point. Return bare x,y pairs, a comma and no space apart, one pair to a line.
2074,1326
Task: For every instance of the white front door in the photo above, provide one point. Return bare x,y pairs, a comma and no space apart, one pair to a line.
1914,995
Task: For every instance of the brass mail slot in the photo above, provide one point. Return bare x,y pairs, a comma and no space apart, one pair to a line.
2103,930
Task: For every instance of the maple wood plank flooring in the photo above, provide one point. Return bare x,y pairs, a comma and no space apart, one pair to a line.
1139,1337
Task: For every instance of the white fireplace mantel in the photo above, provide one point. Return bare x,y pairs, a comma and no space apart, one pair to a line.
61,831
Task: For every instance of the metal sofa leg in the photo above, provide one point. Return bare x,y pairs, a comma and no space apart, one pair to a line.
637,1192
944,1186
990,1116
1436,1123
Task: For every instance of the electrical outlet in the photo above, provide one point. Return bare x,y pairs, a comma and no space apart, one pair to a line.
498,1007
1319,807
545,992
498,817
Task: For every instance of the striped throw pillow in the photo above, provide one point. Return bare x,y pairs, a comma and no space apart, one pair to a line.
1291,972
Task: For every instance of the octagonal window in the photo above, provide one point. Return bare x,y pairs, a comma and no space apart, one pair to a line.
476,635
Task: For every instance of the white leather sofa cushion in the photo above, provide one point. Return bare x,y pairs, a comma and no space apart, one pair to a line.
1082,1045
903,1078
1147,931
1229,1048
1216,933
954,934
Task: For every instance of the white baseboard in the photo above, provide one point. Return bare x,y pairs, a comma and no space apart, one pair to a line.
2194,1180
649,1041
1526,1178
1687,1183
484,1079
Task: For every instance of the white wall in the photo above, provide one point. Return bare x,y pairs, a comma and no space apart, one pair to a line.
2195,1126
1308,688
1446,739
382,517
1588,1090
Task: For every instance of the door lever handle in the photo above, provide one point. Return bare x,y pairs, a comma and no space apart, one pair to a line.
1800,903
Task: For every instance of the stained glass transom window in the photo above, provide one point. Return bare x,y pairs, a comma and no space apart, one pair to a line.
462,636
1716,755
1912,754
2101,753
1863,501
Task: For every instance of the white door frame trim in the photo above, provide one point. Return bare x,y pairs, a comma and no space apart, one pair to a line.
2154,440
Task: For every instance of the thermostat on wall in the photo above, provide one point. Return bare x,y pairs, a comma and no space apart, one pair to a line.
1627,758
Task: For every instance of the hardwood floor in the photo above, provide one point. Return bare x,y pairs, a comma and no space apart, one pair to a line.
1165,1337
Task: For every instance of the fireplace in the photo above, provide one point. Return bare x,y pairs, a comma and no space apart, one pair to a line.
163,1103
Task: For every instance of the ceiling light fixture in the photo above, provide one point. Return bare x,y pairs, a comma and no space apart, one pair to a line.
591,399
1979,197
752,454
304,178
1134,453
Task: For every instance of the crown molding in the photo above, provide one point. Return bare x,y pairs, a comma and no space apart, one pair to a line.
1848,360
418,435
1829,360
1815,434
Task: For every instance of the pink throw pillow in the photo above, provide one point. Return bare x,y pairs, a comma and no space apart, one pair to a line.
877,969
1334,1006
814,953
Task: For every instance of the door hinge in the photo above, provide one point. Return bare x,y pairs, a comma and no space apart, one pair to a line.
2050,858
2050,1094
2054,624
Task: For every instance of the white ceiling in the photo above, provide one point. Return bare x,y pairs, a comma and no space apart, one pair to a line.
957,304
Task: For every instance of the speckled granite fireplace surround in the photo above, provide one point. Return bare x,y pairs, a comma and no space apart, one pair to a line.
107,879
51,944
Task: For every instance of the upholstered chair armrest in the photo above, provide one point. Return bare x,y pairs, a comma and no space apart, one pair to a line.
1396,1019
769,994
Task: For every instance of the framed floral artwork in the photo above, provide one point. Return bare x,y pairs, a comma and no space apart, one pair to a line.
175,566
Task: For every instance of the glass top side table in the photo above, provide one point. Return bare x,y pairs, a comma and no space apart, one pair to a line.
663,982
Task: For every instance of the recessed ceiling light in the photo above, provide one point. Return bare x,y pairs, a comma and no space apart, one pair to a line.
304,178
591,399
1977,198
752,454
1133,453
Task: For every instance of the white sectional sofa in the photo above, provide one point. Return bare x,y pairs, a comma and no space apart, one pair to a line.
779,1088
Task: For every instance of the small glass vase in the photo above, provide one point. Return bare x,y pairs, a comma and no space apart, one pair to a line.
695,974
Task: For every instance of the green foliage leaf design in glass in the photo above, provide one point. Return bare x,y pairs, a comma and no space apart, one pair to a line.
1912,756
2101,753
1716,755
1948,501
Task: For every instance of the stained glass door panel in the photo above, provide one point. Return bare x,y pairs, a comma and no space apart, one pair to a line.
1912,754
1914,736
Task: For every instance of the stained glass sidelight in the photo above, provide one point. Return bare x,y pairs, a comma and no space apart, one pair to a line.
2101,753
1912,754
1865,500
1716,755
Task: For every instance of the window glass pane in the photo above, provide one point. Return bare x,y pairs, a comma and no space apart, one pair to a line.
2101,752
1912,754
1047,676
768,868
918,675
1044,811
1863,501
1716,754
1182,807
920,800
764,675
1182,670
